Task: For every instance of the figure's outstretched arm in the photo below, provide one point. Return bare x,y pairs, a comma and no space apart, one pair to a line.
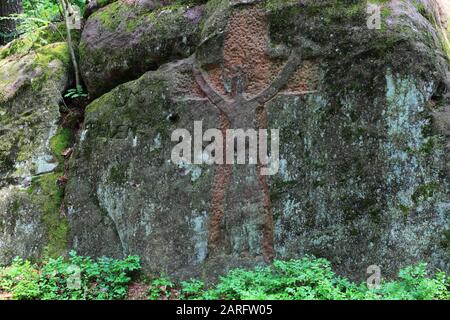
282,78
212,94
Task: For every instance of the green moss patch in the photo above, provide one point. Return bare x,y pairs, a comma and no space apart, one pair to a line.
39,38
46,192
49,196
47,54
61,141
44,57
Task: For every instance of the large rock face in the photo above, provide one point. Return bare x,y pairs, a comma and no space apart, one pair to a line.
31,85
363,174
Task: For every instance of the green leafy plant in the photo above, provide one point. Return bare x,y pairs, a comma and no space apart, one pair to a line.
310,278
103,279
43,9
21,279
36,15
48,9
413,284
77,278
160,288
75,93
307,278
192,289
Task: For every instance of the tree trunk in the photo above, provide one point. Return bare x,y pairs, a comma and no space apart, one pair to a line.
8,26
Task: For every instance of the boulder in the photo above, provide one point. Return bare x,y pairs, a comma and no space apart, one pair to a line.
125,39
33,78
363,173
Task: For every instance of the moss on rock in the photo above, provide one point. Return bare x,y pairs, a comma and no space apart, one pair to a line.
36,39
142,39
33,77
48,195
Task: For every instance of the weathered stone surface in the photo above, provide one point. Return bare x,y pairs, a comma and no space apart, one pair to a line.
125,39
31,88
364,137
22,233
441,119
124,198
363,176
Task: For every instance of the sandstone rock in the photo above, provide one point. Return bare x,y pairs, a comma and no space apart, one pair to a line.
31,88
125,39
441,120
94,5
364,136
363,177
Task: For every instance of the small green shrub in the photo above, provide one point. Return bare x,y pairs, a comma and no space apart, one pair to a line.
75,93
21,279
75,278
192,289
160,288
309,279
413,284
104,279
302,279
48,9
313,279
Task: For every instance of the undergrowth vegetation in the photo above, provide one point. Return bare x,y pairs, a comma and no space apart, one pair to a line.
308,278
40,13
74,278
48,9
82,278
